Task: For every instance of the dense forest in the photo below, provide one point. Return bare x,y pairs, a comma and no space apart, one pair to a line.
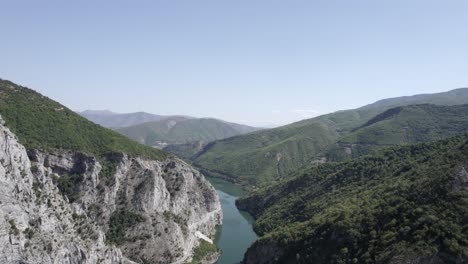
402,204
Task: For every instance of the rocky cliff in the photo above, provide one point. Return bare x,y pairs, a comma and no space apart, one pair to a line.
68,207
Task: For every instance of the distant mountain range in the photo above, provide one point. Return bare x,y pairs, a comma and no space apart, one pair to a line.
181,130
260,157
181,135
110,119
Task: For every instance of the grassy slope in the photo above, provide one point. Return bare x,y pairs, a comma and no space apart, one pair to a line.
42,123
404,201
184,131
253,159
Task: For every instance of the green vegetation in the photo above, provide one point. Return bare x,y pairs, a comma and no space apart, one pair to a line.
405,203
13,229
204,249
264,156
402,125
120,221
259,157
28,233
185,150
41,123
181,130
69,185
110,119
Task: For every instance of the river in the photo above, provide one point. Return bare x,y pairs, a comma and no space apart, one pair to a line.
236,235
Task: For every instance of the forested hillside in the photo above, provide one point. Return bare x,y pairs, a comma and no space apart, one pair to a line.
272,154
181,130
42,123
404,204
401,125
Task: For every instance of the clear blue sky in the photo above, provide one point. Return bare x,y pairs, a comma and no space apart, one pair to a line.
247,61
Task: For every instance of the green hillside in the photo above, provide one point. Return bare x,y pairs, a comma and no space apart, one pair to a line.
180,130
259,157
185,150
42,123
402,125
453,97
405,204
270,154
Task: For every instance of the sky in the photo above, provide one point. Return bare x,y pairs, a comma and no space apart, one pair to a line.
258,62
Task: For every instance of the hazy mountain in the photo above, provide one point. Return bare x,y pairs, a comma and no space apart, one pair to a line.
110,119
262,156
97,113
183,136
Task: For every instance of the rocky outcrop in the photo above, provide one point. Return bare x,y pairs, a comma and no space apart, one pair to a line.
68,207
460,180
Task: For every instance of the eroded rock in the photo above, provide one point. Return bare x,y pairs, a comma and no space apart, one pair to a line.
57,207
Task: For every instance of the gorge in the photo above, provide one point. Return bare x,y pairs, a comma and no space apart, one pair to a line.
73,191
236,233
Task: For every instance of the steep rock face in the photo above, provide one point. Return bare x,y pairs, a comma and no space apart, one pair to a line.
67,207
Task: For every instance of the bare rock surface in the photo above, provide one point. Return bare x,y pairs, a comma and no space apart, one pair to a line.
67,207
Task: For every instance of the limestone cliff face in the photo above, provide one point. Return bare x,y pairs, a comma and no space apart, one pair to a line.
67,207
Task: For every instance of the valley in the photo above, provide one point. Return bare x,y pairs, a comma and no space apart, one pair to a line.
236,233
331,189
234,132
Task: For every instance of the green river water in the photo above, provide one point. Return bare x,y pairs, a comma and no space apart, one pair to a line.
236,235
